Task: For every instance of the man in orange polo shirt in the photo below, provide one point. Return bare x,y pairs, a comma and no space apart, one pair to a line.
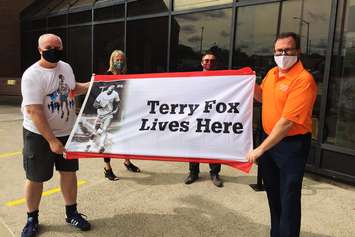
287,94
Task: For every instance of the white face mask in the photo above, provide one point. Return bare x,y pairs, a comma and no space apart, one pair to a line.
284,62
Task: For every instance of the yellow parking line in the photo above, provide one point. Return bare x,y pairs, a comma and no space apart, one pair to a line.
10,154
46,193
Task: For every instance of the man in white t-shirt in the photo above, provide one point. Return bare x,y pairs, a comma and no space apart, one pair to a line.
106,104
48,88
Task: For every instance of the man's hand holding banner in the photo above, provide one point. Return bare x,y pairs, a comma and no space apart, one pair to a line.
190,117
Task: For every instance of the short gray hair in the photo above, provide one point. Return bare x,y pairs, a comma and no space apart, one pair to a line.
44,37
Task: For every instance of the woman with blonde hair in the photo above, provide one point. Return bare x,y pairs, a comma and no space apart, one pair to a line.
118,65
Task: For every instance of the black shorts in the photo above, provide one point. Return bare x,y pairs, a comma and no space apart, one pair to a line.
39,160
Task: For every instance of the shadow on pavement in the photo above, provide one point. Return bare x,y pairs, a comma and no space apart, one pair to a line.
195,217
152,178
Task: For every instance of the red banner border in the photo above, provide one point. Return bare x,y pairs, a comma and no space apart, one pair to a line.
240,72
243,166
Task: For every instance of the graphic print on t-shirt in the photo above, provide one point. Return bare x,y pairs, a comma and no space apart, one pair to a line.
62,98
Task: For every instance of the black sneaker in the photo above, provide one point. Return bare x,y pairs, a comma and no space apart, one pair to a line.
31,228
79,222
110,175
191,178
131,167
216,180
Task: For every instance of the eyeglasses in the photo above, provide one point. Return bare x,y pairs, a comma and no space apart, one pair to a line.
286,51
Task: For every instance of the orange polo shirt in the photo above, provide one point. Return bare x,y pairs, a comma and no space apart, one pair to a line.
291,96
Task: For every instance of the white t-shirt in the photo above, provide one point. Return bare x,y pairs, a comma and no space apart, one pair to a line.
106,102
52,88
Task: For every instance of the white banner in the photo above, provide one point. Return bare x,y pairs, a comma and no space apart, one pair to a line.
190,116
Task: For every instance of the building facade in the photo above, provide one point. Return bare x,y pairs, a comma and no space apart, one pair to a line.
10,50
170,35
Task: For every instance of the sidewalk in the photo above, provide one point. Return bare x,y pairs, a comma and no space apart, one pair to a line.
4,231
157,203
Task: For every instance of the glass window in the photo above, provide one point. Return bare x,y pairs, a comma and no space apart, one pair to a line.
190,4
98,2
193,34
39,24
29,51
80,12
80,52
310,19
141,7
256,29
340,117
34,10
80,17
82,3
57,20
105,43
48,8
111,12
63,6
26,25
147,43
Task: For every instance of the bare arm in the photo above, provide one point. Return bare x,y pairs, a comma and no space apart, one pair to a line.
277,134
116,106
37,115
258,93
81,88
97,105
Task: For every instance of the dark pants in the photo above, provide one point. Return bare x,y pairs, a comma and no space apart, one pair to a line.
282,169
195,168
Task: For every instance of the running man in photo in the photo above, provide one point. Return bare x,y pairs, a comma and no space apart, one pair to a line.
63,91
107,104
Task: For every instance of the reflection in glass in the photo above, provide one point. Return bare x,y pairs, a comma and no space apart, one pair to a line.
193,34
256,28
111,12
310,19
56,21
80,52
108,37
48,8
147,43
29,52
79,17
38,24
82,3
340,117
63,6
136,8
190,4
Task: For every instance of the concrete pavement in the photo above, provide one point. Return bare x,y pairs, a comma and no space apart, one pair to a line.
157,203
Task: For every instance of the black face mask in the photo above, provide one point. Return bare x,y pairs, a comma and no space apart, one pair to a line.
52,55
